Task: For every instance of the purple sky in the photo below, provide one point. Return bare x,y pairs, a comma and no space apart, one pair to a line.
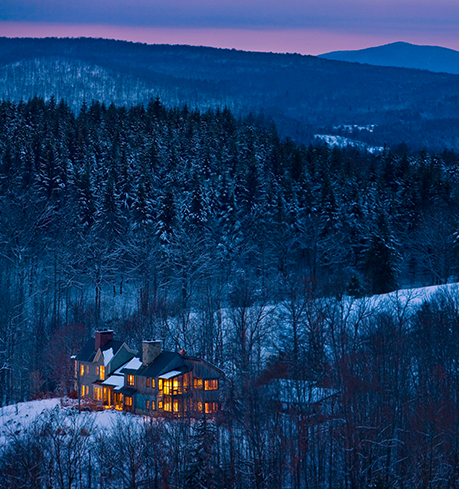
303,26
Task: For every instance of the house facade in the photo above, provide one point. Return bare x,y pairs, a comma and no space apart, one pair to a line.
96,361
153,382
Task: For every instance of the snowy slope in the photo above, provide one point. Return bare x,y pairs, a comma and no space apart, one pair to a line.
20,417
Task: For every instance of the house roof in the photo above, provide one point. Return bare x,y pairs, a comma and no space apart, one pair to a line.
87,353
157,367
127,391
116,381
161,363
133,365
174,373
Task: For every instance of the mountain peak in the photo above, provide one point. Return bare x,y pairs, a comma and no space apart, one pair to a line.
402,54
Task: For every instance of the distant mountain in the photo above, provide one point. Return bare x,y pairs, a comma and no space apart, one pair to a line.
403,55
303,95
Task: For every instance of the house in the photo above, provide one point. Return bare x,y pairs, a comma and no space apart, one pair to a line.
153,382
96,361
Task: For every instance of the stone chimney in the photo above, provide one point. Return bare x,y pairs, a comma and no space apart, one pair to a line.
150,350
102,338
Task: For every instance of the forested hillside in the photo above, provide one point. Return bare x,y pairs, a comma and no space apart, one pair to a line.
212,234
303,95
179,209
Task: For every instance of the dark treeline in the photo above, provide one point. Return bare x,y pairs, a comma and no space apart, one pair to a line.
212,234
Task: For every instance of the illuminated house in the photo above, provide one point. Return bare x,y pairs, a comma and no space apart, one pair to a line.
164,382
96,361
155,383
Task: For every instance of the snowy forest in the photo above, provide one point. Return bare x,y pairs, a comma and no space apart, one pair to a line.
304,95
211,233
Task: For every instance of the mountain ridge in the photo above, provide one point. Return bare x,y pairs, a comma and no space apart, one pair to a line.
402,54
303,95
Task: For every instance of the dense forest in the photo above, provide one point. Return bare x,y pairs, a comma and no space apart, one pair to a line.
215,235
304,95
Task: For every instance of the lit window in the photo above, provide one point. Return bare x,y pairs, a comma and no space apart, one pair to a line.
87,369
130,380
128,401
153,405
211,407
148,382
197,383
211,385
167,404
98,393
176,406
167,387
148,403
153,383
82,391
81,370
97,370
160,384
200,406
102,373
160,404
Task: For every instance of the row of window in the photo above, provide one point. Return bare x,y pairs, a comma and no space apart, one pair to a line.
167,404
175,406
169,386
100,371
178,384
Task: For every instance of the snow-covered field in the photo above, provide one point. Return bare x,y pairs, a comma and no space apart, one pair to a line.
20,417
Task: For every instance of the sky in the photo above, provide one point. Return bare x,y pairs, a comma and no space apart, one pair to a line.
295,26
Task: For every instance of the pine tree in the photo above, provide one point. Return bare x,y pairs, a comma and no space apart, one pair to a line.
201,472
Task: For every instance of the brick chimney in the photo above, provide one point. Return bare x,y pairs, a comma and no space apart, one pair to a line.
150,350
102,338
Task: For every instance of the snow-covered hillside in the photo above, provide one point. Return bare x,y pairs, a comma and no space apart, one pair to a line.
20,418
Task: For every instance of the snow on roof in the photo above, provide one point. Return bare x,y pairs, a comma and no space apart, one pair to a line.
108,355
169,375
116,381
133,364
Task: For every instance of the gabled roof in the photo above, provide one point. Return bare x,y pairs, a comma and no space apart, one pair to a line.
157,367
87,353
